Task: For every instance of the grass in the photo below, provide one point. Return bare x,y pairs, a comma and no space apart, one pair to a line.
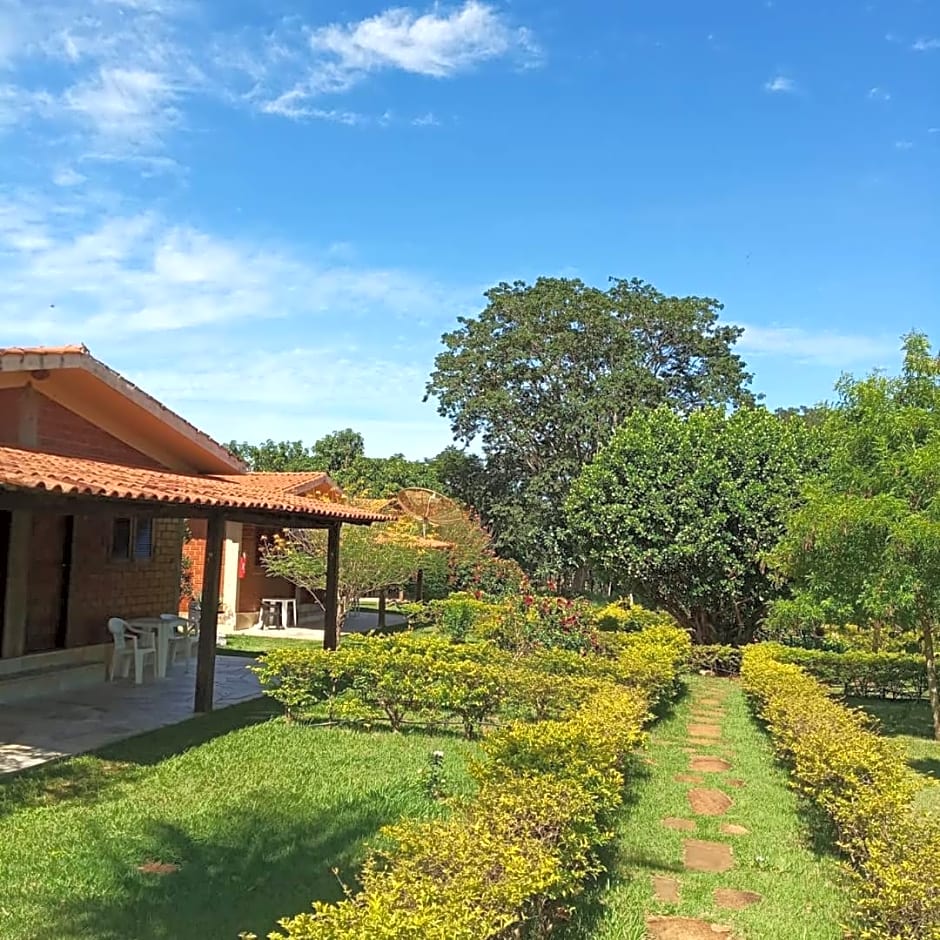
255,813
911,725
239,643
799,878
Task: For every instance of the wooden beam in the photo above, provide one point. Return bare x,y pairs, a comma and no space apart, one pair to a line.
331,601
419,585
383,594
209,613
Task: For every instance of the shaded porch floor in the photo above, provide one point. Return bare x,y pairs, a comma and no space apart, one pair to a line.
69,723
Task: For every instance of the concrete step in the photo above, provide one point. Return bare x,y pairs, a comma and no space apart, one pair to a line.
51,681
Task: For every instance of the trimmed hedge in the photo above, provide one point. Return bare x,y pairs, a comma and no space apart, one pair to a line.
509,859
867,675
862,783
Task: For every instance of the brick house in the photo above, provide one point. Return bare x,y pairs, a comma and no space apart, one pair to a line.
244,579
97,479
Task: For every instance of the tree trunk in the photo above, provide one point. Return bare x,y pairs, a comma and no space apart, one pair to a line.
934,691
381,619
876,636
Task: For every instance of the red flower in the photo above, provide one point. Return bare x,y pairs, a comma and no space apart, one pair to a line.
527,600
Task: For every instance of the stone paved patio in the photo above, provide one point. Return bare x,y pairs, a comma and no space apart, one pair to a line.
69,723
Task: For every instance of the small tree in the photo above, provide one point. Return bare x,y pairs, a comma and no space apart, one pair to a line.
681,509
865,546
371,558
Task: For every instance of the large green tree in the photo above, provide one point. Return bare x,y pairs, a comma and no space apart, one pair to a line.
865,546
682,508
547,371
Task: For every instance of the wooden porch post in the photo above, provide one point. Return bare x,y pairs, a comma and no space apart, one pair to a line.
331,601
209,613
383,592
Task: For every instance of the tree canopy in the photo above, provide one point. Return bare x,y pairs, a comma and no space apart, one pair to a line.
681,509
545,374
865,546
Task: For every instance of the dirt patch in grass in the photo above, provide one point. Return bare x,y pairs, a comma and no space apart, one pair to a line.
733,829
158,868
689,778
709,802
666,889
698,855
710,765
684,928
679,825
734,900
707,732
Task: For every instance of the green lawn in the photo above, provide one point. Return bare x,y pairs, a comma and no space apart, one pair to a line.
910,724
238,643
803,898
255,813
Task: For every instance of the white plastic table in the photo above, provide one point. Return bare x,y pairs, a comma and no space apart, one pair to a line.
164,629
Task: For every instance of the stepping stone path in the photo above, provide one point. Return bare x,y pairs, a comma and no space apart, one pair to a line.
701,855
709,802
684,928
666,889
706,856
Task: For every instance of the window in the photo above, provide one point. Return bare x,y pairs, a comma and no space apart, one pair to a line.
132,538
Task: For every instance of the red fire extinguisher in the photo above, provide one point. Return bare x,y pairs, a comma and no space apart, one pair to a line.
242,564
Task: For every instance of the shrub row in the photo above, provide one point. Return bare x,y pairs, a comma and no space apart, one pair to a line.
869,675
862,783
720,659
510,858
408,678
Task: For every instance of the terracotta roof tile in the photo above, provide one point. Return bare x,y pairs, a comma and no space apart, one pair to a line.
282,482
75,349
22,469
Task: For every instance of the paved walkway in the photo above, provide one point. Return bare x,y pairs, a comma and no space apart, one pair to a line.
39,730
358,621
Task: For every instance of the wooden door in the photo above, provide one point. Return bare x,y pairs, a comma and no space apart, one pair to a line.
6,522
49,576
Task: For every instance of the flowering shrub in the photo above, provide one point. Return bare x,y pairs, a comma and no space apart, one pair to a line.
862,783
505,862
530,622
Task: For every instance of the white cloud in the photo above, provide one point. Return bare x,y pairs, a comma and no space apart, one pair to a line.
933,130
904,145
817,347
433,44
925,44
132,104
67,176
879,94
426,120
780,84
334,58
120,275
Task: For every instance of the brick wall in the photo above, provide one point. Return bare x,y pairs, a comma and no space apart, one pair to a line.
103,588
9,416
63,432
195,551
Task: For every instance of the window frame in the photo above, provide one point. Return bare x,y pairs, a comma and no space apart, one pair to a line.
135,524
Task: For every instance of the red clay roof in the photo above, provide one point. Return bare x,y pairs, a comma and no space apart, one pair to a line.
73,350
281,481
32,470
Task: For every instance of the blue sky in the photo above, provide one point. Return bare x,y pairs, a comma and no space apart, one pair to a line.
267,213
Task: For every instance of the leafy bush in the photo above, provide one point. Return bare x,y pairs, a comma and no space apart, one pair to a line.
862,783
504,861
622,615
530,622
717,658
868,675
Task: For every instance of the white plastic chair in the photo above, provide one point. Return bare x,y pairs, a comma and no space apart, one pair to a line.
131,645
185,638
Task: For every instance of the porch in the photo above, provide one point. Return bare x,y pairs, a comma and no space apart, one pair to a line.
68,723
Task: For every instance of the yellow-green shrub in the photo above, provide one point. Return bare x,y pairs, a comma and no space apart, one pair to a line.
621,615
506,859
861,781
